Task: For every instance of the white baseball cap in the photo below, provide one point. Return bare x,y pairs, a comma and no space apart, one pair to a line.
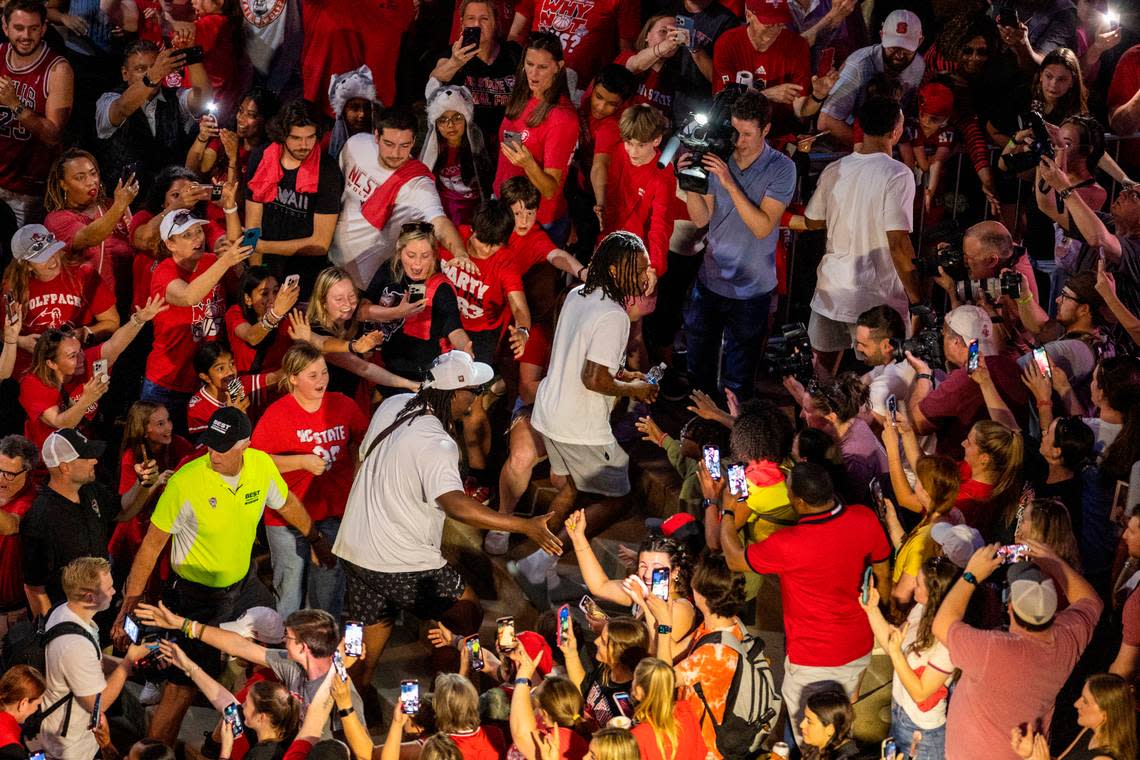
35,243
258,623
177,223
902,29
67,445
958,542
971,323
456,369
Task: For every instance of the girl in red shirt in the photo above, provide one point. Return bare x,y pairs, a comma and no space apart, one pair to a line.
312,436
214,365
540,130
666,729
551,712
255,328
456,705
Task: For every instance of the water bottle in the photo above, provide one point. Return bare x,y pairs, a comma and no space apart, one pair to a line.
654,375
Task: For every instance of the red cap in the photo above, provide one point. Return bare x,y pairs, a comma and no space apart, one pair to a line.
936,99
769,11
533,644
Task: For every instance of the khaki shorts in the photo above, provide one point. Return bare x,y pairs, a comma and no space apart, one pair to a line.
601,469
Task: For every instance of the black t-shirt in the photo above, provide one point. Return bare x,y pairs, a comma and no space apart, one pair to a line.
599,696
693,92
404,354
57,530
490,86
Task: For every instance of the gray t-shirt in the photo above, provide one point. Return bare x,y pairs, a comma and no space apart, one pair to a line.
292,675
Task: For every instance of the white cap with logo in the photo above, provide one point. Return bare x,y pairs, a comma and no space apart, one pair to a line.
456,369
902,29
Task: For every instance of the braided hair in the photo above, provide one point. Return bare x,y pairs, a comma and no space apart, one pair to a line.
620,252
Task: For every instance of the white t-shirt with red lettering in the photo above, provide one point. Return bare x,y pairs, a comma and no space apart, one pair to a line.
180,329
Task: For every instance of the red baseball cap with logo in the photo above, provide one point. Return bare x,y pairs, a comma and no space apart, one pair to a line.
769,11
936,99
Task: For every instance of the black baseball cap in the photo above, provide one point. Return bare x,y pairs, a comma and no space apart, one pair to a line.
226,428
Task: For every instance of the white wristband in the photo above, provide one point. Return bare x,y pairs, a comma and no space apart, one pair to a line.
231,210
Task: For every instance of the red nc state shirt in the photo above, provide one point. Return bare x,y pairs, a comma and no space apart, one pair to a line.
589,29
786,61
37,397
287,430
482,297
179,329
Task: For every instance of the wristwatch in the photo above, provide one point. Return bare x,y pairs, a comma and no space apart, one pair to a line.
147,81
662,628
970,578
346,712
18,111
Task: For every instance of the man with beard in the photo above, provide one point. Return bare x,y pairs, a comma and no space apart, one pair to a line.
895,55
36,87
294,197
386,190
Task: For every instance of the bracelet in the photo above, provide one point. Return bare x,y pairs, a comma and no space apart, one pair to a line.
19,110
342,713
582,269
724,512
522,682
187,624
1044,404
199,139
138,320
231,210
818,100
352,350
524,330
146,80
1010,144
924,376
1025,299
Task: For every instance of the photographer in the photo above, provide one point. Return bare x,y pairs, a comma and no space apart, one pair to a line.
746,197
877,333
955,404
987,250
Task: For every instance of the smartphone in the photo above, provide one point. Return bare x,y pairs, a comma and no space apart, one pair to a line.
95,711
876,489
235,389
99,368
250,237
409,697
191,55
1008,17
353,638
215,193
889,749
338,663
416,292
37,755
1113,19
1013,553
132,629
13,311
292,280
660,583
591,609
515,137
865,591
624,704
130,171
505,638
712,461
232,716
1042,360
563,632
689,25
475,650
972,358
893,407
738,481
826,62
472,35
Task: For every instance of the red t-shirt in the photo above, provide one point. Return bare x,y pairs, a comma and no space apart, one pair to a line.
332,432
482,297
589,29
541,281
144,263
639,199
129,535
339,36
37,397
820,561
974,499
202,405
73,299
484,743
244,353
552,145
530,250
11,567
179,329
215,34
787,60
112,257
1125,83
690,743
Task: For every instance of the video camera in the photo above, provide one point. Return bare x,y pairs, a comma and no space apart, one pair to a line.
794,357
709,132
1042,145
927,342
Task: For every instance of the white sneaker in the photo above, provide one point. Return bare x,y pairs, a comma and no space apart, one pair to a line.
151,693
496,542
535,567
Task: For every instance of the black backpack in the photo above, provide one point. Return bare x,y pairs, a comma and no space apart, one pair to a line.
26,644
752,704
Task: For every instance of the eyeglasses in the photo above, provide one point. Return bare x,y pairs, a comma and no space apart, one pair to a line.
181,216
1063,295
10,476
447,121
424,227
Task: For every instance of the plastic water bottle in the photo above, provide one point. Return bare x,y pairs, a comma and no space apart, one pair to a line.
654,375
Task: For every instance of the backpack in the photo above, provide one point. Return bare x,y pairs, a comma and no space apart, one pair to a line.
752,704
26,644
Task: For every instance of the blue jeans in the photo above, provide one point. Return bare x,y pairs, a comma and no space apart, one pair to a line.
289,553
741,323
174,401
932,746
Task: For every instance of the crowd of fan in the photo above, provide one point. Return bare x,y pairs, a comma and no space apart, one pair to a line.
287,283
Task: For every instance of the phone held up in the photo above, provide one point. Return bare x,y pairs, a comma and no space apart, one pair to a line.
410,697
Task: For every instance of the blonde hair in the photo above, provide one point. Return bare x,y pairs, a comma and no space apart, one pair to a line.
440,747
82,576
615,744
655,707
411,236
561,700
628,643
1114,697
456,704
299,356
643,123
1006,450
318,313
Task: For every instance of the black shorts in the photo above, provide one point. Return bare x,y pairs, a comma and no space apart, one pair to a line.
373,597
202,604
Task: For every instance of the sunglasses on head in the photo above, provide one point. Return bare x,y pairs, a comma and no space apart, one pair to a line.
417,227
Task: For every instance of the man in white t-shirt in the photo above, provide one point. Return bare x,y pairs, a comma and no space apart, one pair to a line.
75,665
865,201
384,190
584,379
407,483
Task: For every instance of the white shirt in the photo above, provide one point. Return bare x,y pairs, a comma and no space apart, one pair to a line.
591,328
886,379
861,197
392,522
357,246
1104,433
938,657
72,665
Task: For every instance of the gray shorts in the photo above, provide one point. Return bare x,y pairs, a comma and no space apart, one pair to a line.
600,469
828,335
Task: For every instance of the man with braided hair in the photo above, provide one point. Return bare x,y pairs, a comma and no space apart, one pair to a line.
586,376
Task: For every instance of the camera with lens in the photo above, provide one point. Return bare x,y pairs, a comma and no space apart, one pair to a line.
710,132
952,260
1006,284
927,342
793,357
1041,145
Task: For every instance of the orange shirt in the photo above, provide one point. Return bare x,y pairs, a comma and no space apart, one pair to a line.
712,666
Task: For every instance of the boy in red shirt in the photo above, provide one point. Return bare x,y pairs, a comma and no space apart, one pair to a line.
928,140
601,112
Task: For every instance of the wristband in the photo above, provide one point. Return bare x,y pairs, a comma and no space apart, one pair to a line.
818,100
1010,144
522,682
724,512
524,330
970,578
342,713
924,376
137,320
582,269
354,352
1026,298
1045,404
662,628
19,110
231,210
706,503
199,139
